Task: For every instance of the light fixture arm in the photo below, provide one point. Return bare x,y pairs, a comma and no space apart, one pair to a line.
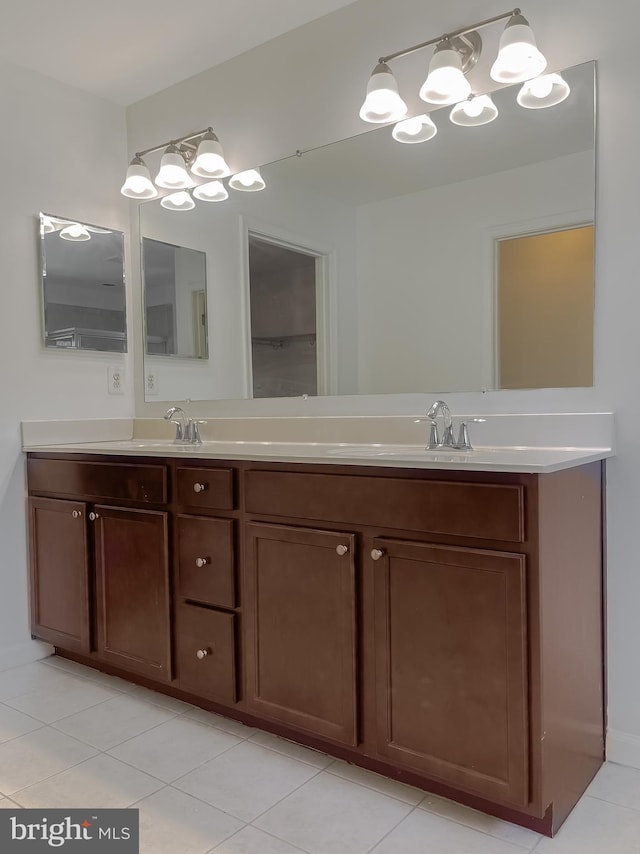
451,35
177,142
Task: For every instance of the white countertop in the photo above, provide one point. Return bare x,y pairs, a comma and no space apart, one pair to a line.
498,459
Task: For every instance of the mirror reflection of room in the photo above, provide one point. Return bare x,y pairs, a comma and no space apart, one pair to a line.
83,289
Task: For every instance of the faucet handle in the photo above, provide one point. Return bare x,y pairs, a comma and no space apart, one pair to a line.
463,443
433,432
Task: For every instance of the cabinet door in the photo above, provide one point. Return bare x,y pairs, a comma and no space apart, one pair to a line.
450,628
132,588
301,631
59,573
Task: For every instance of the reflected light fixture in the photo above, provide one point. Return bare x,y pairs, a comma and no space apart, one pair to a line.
417,129
455,54
75,232
46,225
476,110
545,91
212,191
249,181
180,201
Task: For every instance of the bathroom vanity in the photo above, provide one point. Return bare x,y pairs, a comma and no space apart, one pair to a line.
439,624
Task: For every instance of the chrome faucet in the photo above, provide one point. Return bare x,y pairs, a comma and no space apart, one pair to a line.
462,444
187,431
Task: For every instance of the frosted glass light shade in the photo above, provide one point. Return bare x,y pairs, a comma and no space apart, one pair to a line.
445,83
518,56
75,232
210,162
46,225
213,191
249,181
173,173
138,184
181,201
475,111
417,129
383,102
545,91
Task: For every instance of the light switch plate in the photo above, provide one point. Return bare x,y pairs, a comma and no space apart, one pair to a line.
115,379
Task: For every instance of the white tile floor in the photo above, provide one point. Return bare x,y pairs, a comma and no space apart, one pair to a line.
70,736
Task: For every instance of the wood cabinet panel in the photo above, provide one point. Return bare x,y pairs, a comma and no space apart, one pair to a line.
205,560
451,665
98,481
205,653
59,562
205,488
301,629
132,587
479,510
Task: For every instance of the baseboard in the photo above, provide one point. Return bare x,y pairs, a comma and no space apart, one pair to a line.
623,748
24,653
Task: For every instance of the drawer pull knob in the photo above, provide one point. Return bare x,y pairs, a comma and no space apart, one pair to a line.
342,550
93,516
201,654
199,487
376,554
77,514
202,561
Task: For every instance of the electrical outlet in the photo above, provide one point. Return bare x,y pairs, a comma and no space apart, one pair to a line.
115,379
151,382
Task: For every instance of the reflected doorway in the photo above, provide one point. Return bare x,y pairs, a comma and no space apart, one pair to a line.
285,295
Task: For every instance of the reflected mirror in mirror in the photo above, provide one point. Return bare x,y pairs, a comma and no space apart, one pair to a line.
406,243
175,300
83,286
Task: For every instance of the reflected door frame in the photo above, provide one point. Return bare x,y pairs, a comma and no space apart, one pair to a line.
326,321
491,239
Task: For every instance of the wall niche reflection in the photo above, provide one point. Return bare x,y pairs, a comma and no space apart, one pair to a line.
83,286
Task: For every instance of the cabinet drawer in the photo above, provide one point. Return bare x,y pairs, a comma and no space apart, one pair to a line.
205,560
98,481
205,488
205,649
479,510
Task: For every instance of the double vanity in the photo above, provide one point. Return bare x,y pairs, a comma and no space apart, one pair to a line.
432,615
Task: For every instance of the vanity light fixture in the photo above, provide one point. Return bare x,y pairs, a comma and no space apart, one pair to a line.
75,232
249,181
417,129
185,162
454,55
545,91
476,110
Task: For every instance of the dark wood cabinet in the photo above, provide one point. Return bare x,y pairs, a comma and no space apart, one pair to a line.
301,628
206,656
60,573
132,589
451,665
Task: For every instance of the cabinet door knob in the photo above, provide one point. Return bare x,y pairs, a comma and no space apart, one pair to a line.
199,487
77,514
93,516
342,550
376,554
202,561
201,654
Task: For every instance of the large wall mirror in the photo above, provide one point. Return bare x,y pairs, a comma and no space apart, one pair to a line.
83,286
368,266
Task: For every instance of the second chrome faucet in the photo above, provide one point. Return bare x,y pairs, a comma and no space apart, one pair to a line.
446,440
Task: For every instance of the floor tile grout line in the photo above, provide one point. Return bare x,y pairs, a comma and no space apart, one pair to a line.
284,797
372,789
85,709
613,803
288,755
275,836
479,830
390,831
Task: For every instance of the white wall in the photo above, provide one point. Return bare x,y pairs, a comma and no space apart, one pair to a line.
64,153
425,289
305,88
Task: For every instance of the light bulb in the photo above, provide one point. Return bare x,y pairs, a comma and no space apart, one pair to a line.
383,102
138,184
250,181
475,111
445,83
213,191
417,129
181,201
173,173
545,91
210,162
518,56
75,232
